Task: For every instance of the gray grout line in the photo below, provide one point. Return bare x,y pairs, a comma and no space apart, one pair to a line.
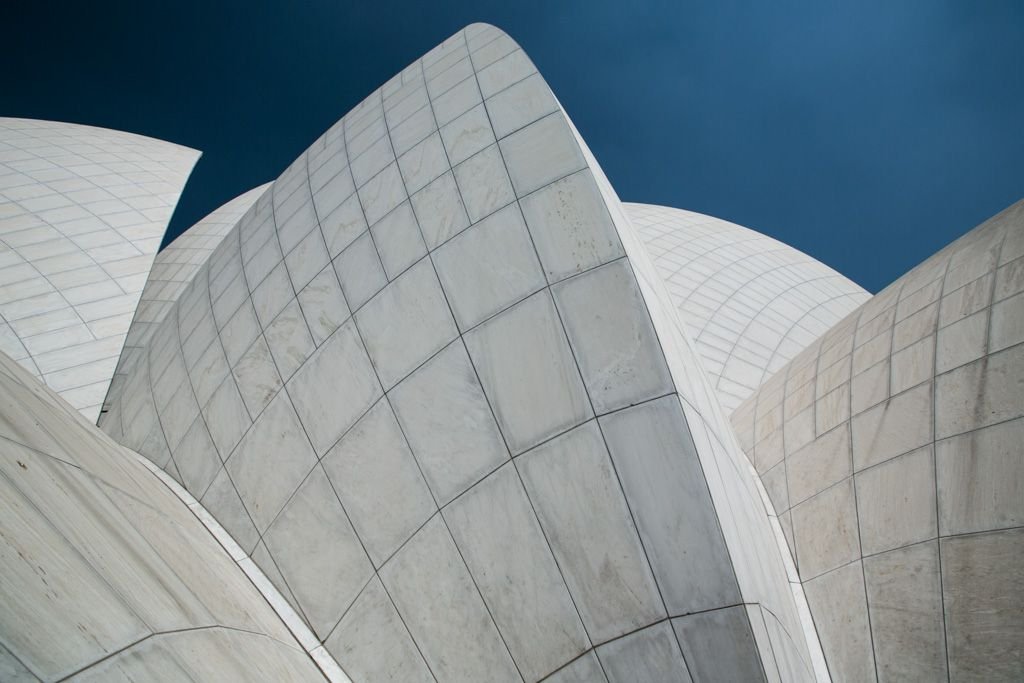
483,599
156,407
152,281
230,376
156,636
933,443
700,460
355,326
852,479
590,402
930,381
662,620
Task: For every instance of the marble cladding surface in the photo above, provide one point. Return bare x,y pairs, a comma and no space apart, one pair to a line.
891,451
425,383
456,413
107,575
82,214
173,268
750,303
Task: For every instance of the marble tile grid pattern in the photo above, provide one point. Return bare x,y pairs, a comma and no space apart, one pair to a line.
891,449
82,213
420,384
752,533
751,303
173,268
104,574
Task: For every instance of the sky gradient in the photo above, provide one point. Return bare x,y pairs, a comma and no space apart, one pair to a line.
868,134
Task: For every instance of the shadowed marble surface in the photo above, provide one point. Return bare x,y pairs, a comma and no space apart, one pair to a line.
891,449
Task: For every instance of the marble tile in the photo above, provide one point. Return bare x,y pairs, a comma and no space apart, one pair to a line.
520,105
325,412
343,225
197,459
427,577
445,415
541,153
467,135
981,479
382,193
645,656
226,417
440,210
323,305
585,517
222,501
897,426
289,339
359,271
896,502
1007,323
964,301
379,483
528,372
661,474
905,602
484,183
962,342
208,372
586,669
839,605
982,585
271,295
276,444
984,392
318,553
612,337
406,324
832,409
372,626
913,365
502,543
239,333
307,259
820,464
424,162
488,267
111,623
502,73
456,100
719,645
398,240
825,527
257,377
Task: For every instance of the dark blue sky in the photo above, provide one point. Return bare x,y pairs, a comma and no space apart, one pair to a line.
868,133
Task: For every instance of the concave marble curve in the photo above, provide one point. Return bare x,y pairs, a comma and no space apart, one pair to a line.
105,574
891,451
432,384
